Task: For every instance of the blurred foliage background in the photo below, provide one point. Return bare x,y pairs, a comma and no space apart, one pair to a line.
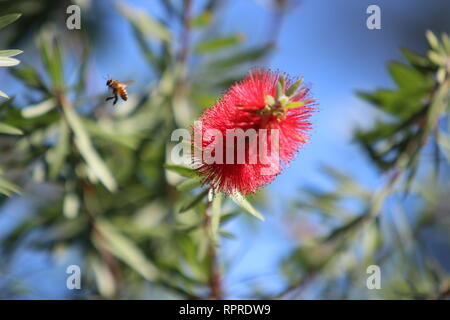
91,184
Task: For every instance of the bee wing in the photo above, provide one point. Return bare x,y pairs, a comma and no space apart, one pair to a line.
127,83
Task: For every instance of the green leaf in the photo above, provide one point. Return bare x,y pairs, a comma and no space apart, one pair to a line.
3,95
8,62
39,109
216,44
7,188
189,184
80,84
60,151
202,20
144,23
247,206
437,107
192,202
181,170
295,104
10,53
30,76
71,205
415,59
406,77
103,276
436,58
282,82
8,19
396,102
51,55
109,134
446,42
87,150
7,129
229,216
124,249
294,87
227,235
350,226
280,90
432,40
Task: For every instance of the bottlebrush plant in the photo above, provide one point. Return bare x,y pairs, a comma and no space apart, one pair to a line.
100,189
6,60
262,103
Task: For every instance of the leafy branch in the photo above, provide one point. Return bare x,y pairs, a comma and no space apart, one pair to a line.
414,116
7,60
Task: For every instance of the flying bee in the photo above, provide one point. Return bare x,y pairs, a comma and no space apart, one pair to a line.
118,89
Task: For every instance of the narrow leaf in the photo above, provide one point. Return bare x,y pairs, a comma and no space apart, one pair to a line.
60,151
181,170
282,82
414,58
202,20
295,104
39,109
192,202
406,77
7,188
432,40
126,250
145,23
294,87
8,19
216,44
280,90
247,206
8,62
71,205
189,184
10,53
7,129
52,57
4,95
84,144
30,76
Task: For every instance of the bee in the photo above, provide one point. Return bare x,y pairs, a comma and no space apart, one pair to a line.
118,89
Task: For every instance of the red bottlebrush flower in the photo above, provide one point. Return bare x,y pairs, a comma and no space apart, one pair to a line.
270,113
